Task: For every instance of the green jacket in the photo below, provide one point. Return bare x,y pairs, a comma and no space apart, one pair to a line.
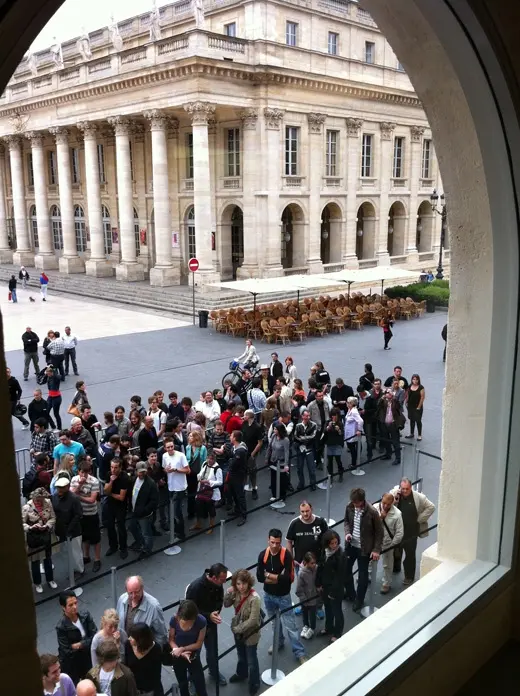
245,623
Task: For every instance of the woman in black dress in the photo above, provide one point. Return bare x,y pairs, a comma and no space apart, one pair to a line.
414,400
143,656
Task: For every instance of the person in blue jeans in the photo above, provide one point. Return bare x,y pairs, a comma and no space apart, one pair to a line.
144,502
12,288
275,570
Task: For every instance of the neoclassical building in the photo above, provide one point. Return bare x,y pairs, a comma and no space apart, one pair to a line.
261,137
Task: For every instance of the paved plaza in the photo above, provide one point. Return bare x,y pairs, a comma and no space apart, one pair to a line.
122,352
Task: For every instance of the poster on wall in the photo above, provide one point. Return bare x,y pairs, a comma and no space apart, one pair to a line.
175,240
115,235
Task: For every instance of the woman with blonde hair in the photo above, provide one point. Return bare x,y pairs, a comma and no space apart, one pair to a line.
67,467
245,627
109,631
38,520
196,454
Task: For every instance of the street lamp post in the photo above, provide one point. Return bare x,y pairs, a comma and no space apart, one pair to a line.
442,211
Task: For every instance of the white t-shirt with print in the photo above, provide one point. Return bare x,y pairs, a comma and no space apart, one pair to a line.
177,460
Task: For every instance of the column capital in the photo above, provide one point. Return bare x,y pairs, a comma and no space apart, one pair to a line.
417,133
158,119
273,118
316,122
13,141
61,134
249,118
89,129
36,138
200,112
353,126
121,125
387,130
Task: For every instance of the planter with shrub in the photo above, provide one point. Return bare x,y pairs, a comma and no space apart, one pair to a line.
436,294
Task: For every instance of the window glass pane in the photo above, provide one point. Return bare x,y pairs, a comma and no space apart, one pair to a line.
370,49
30,169
333,43
189,155
290,33
426,159
137,233
231,29
80,228
74,156
53,176
233,152
192,249
291,150
366,155
130,145
331,153
101,163
398,157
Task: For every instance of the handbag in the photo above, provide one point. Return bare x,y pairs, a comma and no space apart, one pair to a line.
204,493
73,410
38,538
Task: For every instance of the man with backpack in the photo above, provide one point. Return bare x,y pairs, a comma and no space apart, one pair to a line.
38,476
275,570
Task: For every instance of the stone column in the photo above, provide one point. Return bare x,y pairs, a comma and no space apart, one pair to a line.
200,113
163,273
353,171
250,172
173,187
410,249
46,258
272,242
313,260
128,269
70,262
6,253
385,174
23,256
97,265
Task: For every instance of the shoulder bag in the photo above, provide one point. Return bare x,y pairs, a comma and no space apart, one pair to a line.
37,538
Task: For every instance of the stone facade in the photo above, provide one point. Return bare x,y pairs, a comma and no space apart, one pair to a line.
262,137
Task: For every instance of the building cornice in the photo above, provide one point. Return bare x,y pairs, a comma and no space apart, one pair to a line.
198,66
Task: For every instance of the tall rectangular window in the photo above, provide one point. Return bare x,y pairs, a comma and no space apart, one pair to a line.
131,150
366,155
331,153
30,169
291,33
74,161
233,152
291,150
370,52
426,164
398,164
333,43
189,155
230,29
53,171
101,163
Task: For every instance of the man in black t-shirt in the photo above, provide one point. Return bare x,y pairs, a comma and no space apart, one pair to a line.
116,491
304,533
398,374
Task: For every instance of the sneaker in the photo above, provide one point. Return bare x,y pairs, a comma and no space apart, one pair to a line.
53,585
272,499
396,463
385,589
270,649
124,554
26,427
235,679
38,588
310,633
357,606
408,581
86,560
303,659
26,379
303,633
96,566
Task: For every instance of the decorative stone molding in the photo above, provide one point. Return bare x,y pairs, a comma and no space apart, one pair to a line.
158,119
273,118
387,130
316,122
121,125
137,129
353,126
417,133
249,118
88,128
61,134
200,112
173,128
36,138
212,126
13,141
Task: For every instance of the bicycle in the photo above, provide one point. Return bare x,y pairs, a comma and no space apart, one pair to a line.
237,370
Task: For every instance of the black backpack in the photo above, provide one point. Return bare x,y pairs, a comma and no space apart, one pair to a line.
41,378
30,482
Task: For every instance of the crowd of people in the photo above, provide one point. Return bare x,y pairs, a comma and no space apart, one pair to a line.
125,657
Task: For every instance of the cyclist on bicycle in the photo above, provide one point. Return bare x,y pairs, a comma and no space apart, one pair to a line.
249,356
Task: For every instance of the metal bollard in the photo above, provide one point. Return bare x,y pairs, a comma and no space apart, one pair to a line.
78,591
274,675
419,486
278,504
416,463
330,521
223,541
113,585
172,550
369,609
403,456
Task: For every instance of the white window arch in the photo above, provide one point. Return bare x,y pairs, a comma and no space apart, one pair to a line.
137,233
190,233
107,229
80,227
34,227
57,230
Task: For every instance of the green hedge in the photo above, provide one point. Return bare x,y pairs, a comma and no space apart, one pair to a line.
438,291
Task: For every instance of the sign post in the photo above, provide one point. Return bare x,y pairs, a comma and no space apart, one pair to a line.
193,265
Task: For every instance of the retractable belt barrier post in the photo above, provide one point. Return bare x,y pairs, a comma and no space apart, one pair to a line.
274,675
70,559
330,521
113,585
172,550
278,504
369,608
223,541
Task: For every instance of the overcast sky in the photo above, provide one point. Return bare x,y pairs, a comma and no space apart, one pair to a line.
90,14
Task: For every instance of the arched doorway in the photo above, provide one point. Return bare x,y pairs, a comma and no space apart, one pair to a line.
396,229
237,239
34,227
107,229
331,234
425,227
57,230
230,241
191,245
292,237
365,231
80,228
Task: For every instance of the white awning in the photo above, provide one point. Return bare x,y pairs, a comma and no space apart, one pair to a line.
260,286
372,275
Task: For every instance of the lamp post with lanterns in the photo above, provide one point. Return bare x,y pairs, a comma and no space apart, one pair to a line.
439,207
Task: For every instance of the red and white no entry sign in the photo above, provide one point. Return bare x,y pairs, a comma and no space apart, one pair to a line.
193,265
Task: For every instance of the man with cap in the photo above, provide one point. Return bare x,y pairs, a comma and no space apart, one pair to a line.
267,381
69,512
144,501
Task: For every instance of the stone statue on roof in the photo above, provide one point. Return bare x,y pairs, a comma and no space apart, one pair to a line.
83,45
56,54
198,11
155,23
115,36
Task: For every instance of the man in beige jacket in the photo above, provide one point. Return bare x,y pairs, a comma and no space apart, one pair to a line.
416,510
